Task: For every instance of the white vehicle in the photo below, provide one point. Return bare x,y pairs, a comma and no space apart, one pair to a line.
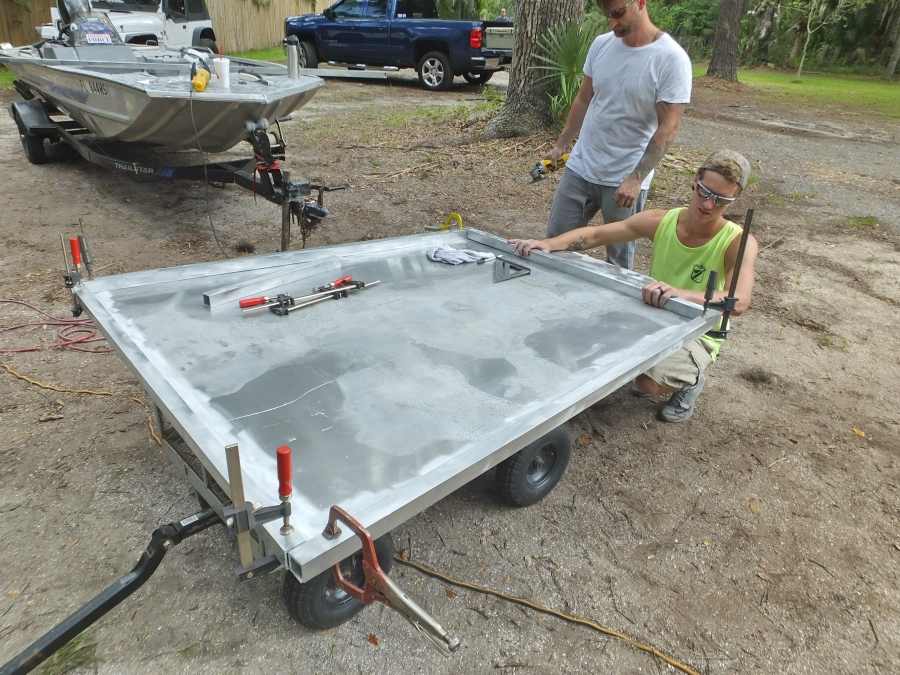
171,23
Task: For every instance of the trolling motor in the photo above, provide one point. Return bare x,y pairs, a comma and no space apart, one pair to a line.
728,303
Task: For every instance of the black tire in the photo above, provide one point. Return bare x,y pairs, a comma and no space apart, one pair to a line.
308,56
34,148
529,475
319,604
211,45
435,73
479,77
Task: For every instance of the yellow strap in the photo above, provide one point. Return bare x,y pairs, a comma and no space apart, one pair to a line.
452,217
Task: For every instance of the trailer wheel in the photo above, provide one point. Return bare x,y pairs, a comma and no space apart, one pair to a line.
319,604
434,71
34,148
478,77
529,475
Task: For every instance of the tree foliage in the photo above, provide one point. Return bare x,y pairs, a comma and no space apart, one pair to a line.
861,34
562,51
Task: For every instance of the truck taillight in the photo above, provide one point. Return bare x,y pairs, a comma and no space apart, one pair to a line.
476,38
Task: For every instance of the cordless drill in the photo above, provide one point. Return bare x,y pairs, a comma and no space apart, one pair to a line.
545,166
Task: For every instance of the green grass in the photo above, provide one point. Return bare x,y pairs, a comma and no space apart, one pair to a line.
862,222
79,653
6,78
271,54
849,91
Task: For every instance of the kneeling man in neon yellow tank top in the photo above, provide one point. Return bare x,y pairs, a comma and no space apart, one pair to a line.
688,243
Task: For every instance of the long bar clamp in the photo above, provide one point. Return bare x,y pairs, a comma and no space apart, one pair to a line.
729,302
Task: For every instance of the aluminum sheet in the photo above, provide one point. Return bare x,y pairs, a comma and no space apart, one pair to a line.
395,396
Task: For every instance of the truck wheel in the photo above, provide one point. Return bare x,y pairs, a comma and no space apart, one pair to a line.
211,45
479,77
529,475
435,72
319,603
308,56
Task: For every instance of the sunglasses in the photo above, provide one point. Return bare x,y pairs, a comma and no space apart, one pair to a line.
719,200
615,14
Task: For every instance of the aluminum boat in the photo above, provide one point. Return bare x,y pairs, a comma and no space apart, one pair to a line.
144,94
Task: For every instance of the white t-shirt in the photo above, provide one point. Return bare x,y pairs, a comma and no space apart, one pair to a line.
621,118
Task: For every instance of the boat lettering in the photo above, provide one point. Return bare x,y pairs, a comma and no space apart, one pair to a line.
94,87
133,167
98,38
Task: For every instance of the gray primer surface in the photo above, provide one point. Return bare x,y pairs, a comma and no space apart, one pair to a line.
392,397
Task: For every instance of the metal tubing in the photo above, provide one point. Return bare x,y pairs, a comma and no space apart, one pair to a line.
163,539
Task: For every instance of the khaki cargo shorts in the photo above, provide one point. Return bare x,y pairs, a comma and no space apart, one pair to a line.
682,369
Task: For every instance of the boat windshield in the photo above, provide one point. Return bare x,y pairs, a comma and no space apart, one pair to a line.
93,29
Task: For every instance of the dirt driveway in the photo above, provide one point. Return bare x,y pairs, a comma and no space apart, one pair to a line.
762,536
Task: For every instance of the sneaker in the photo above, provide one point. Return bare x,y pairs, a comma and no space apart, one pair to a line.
681,405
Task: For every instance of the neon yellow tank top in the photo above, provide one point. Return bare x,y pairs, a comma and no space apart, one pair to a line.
688,267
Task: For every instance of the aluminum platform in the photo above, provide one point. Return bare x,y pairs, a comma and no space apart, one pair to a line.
393,397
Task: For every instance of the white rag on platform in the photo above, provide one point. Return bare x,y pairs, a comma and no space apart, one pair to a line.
458,256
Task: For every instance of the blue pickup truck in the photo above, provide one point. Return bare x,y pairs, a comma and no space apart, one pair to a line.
403,34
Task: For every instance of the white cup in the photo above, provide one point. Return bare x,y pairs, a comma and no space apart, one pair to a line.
222,68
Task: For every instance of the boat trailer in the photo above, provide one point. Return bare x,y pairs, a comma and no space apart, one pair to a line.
302,202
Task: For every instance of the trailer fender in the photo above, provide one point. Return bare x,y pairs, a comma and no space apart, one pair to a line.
31,117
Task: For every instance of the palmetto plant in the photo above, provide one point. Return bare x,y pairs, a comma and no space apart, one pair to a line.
562,52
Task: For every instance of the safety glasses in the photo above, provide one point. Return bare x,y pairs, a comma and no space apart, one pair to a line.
719,200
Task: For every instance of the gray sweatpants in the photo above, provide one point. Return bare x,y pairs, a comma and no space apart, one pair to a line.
577,201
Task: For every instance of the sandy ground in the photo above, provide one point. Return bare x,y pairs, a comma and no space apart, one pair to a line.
761,536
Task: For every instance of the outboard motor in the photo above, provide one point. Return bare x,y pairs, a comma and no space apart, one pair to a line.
70,11
83,26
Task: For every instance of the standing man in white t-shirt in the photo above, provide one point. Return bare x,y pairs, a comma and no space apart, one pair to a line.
637,80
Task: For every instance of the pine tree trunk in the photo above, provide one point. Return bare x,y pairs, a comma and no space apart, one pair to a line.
723,63
895,55
527,107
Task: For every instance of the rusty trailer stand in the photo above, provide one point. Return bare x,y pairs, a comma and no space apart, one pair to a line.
379,587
